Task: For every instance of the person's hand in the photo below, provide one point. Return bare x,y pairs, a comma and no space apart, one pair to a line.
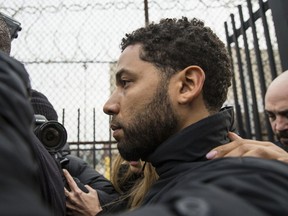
79,202
240,147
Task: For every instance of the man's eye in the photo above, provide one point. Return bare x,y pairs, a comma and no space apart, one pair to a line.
124,82
271,116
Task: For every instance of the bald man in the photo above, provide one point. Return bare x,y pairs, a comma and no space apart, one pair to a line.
276,106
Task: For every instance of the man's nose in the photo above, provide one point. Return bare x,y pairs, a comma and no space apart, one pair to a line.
281,123
111,107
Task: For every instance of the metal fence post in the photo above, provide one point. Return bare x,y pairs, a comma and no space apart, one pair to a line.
279,12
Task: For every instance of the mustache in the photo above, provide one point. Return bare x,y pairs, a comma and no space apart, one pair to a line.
114,123
282,134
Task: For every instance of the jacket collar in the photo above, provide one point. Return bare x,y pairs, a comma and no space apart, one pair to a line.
194,142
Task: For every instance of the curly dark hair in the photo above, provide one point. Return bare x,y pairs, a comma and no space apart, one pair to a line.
174,44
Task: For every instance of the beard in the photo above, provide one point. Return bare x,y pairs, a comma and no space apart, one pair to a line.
152,125
282,135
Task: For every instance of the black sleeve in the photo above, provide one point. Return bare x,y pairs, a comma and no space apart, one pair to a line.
20,193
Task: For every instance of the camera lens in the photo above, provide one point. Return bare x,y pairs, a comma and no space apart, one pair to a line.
52,134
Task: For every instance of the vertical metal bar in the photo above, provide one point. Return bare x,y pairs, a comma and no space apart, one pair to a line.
94,138
272,64
146,12
242,81
110,134
94,125
63,116
110,141
258,134
273,70
257,50
110,156
236,101
78,132
279,10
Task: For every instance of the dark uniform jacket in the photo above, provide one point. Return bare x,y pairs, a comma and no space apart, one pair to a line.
20,191
191,185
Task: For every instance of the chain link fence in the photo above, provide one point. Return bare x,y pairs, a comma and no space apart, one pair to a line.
70,48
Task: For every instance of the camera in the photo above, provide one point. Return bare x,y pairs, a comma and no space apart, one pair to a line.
13,25
52,134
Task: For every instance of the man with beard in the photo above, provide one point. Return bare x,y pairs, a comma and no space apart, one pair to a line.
276,107
172,79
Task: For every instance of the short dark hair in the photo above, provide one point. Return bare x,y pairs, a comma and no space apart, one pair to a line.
5,38
173,44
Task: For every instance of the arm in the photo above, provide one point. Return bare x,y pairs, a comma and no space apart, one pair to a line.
240,147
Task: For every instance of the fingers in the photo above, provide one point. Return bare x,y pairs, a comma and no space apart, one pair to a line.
233,136
248,148
284,159
66,192
90,189
79,202
72,184
222,150
212,154
67,175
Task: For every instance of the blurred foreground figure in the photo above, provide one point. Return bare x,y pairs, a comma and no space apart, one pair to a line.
49,173
20,191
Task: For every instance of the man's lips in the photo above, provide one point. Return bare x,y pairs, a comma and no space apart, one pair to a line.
114,127
116,130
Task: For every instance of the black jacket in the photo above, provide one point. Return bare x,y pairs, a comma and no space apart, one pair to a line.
50,177
20,191
191,185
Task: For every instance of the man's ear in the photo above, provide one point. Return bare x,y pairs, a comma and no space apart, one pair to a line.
192,80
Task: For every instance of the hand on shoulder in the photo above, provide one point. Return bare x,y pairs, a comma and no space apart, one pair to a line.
239,147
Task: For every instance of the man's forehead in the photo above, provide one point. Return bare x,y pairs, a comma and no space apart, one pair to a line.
277,95
130,62
133,49
129,56
277,109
